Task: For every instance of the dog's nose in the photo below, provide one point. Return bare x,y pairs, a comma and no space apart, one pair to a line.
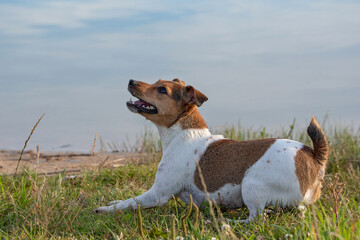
132,82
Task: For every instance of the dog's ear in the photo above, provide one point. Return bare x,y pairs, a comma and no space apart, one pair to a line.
193,96
182,83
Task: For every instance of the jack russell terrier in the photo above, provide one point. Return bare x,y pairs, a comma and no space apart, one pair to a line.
255,173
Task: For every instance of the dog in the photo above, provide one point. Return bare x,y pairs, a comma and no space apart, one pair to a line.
255,173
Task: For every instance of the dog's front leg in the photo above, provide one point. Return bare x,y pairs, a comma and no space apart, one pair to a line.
157,196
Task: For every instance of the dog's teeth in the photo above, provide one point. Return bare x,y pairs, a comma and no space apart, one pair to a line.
151,107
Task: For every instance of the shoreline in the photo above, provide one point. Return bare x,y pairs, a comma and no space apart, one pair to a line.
54,162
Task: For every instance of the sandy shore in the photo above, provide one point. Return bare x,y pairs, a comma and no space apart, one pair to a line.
54,162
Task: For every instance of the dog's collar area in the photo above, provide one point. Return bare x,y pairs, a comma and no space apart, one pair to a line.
140,106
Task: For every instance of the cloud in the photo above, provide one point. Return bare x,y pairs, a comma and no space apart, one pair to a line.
218,32
27,19
227,28
209,32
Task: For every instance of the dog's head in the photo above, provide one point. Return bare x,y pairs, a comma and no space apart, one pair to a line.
164,102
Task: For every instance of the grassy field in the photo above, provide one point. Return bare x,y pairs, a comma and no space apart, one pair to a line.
37,207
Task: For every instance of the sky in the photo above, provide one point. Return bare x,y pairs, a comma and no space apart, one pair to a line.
261,63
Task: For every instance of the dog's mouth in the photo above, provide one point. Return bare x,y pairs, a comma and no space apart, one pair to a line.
140,106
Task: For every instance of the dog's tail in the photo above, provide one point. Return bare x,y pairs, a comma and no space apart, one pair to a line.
321,146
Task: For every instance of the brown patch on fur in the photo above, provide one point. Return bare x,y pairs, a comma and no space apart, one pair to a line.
316,191
308,172
226,161
192,119
306,168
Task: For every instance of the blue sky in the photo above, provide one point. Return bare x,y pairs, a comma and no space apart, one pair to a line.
260,62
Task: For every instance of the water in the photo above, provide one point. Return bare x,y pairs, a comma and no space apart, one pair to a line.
74,115
260,65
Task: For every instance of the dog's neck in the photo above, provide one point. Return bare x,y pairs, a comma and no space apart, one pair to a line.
189,126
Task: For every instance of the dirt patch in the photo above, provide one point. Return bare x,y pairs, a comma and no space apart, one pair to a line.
53,163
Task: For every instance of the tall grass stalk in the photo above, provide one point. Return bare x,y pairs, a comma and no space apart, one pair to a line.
26,142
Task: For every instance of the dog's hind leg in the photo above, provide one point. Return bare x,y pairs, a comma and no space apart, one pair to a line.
254,196
255,210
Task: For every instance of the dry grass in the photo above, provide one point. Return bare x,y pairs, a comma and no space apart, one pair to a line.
26,142
33,206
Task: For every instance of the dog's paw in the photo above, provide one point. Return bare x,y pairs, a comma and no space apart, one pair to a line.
104,209
237,221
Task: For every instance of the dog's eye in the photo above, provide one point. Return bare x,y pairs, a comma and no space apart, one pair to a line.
162,90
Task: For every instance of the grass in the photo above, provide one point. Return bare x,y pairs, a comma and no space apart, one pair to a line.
38,207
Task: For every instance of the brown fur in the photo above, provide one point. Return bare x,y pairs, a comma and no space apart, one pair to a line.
310,164
226,161
178,104
321,146
307,168
192,119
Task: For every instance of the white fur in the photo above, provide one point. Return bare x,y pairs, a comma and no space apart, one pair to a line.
271,180
176,169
